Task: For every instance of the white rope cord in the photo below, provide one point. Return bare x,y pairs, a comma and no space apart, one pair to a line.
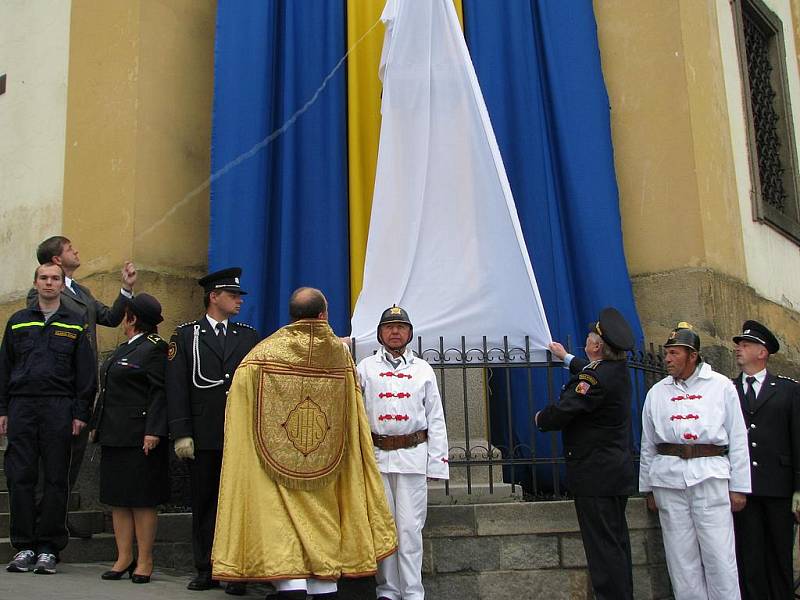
196,364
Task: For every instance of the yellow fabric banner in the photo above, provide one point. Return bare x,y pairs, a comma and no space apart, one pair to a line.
364,124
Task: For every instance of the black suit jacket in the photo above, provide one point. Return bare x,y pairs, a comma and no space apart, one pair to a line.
594,416
132,401
195,400
773,428
95,312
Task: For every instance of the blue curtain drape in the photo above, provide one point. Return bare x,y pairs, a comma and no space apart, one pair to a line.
282,214
538,64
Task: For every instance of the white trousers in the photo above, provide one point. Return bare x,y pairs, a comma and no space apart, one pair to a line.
311,586
400,575
697,526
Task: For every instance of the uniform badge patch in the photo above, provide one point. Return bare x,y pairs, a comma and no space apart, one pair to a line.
590,379
582,388
173,350
66,334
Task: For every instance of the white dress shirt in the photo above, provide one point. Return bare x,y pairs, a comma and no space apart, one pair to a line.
214,322
760,376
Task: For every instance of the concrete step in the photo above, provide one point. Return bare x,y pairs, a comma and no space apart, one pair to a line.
100,548
85,520
74,501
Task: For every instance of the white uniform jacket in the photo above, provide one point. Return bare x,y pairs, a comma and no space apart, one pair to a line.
400,401
704,409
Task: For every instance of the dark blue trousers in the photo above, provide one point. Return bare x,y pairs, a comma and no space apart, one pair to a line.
39,428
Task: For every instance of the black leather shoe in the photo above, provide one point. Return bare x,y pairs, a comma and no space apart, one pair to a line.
236,588
136,578
203,581
292,595
328,596
77,532
114,575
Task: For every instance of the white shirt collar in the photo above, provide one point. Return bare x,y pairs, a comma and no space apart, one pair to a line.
135,337
703,371
383,355
214,322
759,377
68,282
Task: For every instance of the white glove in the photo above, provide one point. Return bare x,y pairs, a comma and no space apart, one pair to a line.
796,502
184,448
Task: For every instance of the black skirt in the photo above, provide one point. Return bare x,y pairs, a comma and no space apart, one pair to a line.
129,478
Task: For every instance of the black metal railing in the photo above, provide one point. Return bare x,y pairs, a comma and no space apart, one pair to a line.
490,396
496,391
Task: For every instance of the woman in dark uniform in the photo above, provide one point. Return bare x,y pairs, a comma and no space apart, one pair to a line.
130,424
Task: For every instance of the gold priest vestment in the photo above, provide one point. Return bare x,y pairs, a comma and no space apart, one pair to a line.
300,493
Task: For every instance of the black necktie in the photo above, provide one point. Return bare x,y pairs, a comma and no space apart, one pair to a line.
750,394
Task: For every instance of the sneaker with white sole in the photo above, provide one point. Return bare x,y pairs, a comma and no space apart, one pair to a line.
22,562
45,564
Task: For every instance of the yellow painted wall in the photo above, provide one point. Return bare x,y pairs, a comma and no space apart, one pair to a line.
138,133
661,62
138,144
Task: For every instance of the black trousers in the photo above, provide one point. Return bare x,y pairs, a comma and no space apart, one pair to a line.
764,538
604,530
204,471
38,429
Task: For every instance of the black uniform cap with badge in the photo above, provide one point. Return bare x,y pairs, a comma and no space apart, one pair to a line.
614,329
753,331
223,280
684,335
395,314
146,308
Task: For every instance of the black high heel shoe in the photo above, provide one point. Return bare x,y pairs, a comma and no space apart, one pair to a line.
136,578
114,575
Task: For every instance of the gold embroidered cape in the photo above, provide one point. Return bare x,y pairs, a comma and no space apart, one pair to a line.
300,494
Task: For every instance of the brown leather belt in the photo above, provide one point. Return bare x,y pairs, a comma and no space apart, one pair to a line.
687,451
396,442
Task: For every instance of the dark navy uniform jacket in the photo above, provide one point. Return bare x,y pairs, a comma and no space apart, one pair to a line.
594,415
773,436
199,375
52,359
92,310
132,401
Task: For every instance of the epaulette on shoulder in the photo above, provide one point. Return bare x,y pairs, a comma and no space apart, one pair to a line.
185,324
592,365
245,325
788,378
155,338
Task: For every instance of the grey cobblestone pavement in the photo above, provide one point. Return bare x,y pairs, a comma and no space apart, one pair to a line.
82,582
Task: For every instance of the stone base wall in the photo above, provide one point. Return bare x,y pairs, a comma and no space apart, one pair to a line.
716,305
529,550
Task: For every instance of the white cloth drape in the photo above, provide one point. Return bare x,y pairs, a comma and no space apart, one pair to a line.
445,241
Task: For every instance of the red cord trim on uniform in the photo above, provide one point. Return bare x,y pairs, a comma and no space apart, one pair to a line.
689,436
393,418
393,395
391,374
444,460
686,397
680,417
